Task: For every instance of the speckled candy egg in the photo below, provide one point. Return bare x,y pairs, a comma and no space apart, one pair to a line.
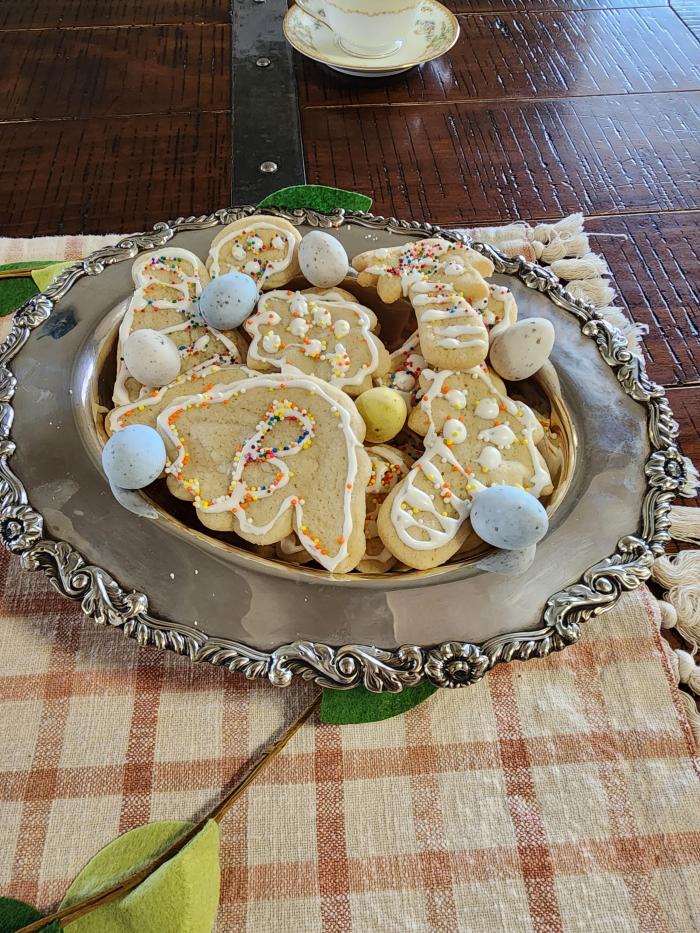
508,517
151,357
524,348
322,259
228,300
134,457
384,412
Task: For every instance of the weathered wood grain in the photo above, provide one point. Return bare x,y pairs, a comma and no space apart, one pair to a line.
114,175
655,263
39,14
487,162
533,55
686,408
99,72
543,6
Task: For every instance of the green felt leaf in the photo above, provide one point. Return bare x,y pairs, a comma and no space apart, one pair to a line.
182,896
16,914
318,198
44,277
343,707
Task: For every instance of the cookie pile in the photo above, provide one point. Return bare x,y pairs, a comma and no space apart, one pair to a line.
284,419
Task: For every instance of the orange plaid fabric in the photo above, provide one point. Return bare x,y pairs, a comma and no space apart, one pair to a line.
555,795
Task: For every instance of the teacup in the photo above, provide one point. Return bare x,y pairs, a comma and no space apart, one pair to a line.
366,28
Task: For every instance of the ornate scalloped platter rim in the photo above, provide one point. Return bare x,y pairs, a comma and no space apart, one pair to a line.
453,663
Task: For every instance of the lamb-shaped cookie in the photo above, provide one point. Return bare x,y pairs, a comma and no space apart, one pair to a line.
264,247
389,466
475,437
168,284
270,455
319,332
444,282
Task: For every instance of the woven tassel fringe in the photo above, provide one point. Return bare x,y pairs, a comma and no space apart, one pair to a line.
564,247
680,578
685,523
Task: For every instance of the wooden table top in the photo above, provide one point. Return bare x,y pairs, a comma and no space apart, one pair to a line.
117,114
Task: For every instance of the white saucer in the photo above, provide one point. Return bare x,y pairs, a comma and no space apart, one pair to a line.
435,32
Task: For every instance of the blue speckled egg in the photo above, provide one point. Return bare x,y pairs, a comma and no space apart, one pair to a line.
228,300
508,517
134,457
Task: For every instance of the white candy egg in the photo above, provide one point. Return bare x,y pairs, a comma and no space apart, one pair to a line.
522,349
322,259
151,357
228,300
508,517
134,458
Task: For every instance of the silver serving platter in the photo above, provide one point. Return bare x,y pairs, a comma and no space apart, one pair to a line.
169,586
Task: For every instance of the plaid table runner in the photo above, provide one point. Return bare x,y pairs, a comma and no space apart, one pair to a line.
560,794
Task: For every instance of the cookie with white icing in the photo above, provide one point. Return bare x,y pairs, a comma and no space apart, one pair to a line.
444,282
264,247
405,366
475,436
389,466
317,332
270,455
146,408
168,284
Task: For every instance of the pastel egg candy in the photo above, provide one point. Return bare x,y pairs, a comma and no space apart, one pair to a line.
133,458
522,349
228,300
508,517
384,412
322,259
151,357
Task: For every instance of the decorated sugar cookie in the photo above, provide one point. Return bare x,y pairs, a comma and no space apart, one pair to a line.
389,466
317,332
444,282
405,366
475,437
146,408
270,455
263,247
168,284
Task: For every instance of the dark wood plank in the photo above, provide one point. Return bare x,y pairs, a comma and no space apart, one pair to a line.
476,163
655,262
40,14
685,403
531,55
689,12
121,174
147,69
543,6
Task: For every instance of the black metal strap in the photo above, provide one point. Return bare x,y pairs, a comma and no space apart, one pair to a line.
267,146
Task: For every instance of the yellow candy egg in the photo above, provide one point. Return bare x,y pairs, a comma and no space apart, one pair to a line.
384,412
